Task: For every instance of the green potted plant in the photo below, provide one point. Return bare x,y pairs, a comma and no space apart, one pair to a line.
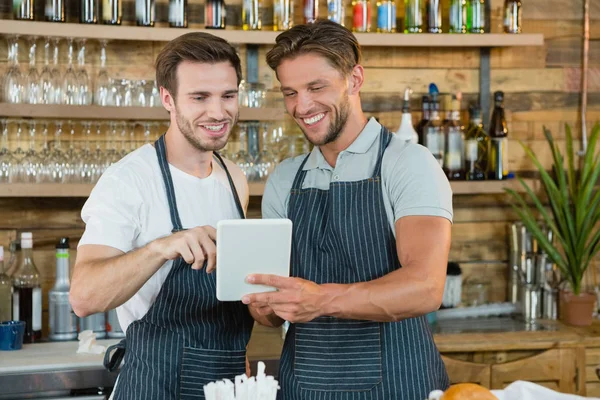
574,218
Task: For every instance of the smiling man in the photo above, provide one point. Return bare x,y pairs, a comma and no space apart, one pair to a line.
150,229
372,217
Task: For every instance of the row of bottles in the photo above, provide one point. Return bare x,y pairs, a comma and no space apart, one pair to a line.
464,152
21,297
465,16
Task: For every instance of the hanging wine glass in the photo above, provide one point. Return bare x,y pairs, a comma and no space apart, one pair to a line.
46,80
58,162
72,174
45,173
14,83
70,86
241,158
98,154
7,160
34,87
103,84
30,163
57,82
84,90
124,144
112,155
87,159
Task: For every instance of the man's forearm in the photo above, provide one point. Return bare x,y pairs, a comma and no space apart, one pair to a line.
101,285
399,295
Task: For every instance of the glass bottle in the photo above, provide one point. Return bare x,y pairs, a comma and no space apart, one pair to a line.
283,15
434,16
88,14
62,319
433,132
15,257
361,15
414,15
424,119
178,10
112,10
311,11
55,10
27,292
5,291
336,11
476,146
214,14
145,12
386,16
458,16
23,9
512,16
498,145
252,15
455,141
476,16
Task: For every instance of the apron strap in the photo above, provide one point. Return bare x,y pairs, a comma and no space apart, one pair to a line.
299,178
236,197
385,137
161,152
113,362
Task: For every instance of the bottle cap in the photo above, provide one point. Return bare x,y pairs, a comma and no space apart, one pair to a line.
1,253
498,96
63,243
26,240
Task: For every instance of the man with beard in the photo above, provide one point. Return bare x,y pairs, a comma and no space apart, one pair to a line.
372,217
149,244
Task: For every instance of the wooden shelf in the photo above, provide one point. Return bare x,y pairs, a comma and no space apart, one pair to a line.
59,111
256,189
109,32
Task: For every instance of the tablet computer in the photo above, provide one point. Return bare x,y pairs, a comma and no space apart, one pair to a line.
251,246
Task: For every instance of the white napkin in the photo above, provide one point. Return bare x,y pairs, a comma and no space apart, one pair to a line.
261,387
87,343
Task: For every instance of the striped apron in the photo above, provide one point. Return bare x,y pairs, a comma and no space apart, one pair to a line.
188,338
342,235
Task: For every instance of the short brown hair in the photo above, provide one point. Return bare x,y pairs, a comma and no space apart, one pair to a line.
196,47
327,38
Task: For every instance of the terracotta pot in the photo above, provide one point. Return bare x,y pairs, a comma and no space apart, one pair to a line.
577,310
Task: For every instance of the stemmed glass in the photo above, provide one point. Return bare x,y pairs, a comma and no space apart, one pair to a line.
34,89
14,85
103,86
45,172
70,83
7,160
30,164
58,161
87,160
56,76
84,91
111,155
46,80
72,158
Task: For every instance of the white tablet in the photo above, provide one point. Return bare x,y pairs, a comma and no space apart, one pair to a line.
251,246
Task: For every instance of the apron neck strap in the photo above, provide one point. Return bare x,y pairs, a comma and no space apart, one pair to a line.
236,197
161,153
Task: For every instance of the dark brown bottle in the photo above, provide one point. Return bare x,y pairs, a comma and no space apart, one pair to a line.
498,147
424,119
476,147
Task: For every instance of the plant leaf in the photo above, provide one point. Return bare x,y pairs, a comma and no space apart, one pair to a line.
571,165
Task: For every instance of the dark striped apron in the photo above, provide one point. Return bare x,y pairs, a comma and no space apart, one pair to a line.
342,235
188,338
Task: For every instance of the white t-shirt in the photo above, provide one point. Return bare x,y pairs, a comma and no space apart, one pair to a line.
128,208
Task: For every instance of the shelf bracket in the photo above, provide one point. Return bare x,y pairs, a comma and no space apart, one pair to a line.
484,85
252,63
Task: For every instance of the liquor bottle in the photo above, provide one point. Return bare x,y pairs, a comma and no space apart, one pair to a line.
406,131
96,323
145,12
55,11
252,15
424,119
433,132
512,16
414,16
476,16
455,142
178,10
89,12
214,14
111,12
23,9
27,292
458,16
476,147
311,11
336,11
386,16
283,15
434,16
361,15
63,321
5,291
498,146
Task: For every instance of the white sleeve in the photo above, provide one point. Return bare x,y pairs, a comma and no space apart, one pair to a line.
112,214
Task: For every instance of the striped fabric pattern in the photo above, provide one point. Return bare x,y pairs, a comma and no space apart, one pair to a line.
188,338
341,235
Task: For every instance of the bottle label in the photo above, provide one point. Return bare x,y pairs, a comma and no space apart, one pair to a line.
36,309
386,16
453,159
334,11
16,314
498,158
434,141
471,150
361,16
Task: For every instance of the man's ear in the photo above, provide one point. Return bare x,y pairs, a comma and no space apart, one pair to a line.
356,80
167,99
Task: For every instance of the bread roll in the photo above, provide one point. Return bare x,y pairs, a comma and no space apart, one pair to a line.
467,391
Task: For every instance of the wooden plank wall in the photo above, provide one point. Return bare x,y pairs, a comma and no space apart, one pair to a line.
542,87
